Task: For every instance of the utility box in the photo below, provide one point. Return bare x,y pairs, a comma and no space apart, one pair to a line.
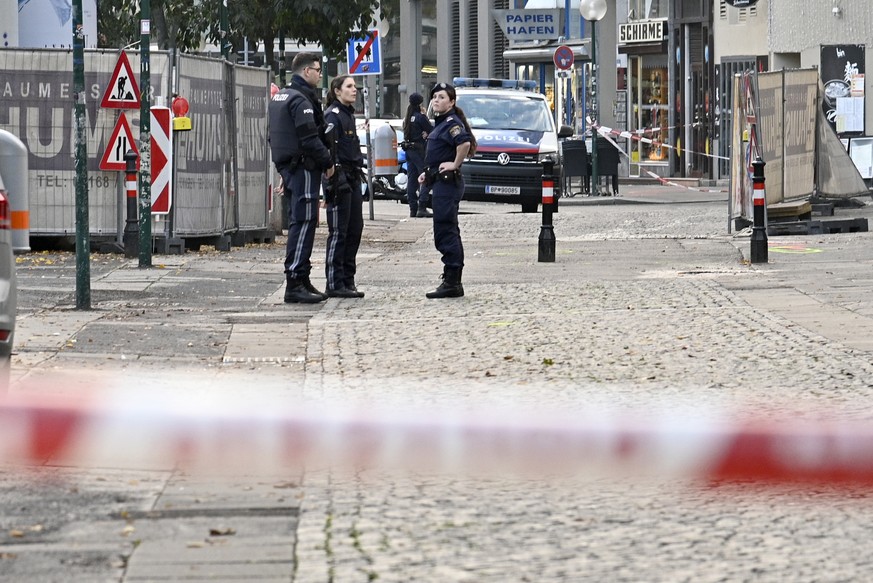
14,169
384,151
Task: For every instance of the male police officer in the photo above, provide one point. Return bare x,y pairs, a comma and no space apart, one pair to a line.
300,156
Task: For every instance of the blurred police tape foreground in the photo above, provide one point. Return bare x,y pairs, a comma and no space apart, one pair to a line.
242,436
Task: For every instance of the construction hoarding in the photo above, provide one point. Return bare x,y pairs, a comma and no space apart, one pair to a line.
210,198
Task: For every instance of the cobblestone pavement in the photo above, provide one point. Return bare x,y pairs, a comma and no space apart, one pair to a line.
649,307
644,309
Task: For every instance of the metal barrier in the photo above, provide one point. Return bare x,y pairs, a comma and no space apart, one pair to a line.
222,176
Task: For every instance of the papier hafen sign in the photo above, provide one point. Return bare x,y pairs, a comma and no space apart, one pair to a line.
741,3
534,24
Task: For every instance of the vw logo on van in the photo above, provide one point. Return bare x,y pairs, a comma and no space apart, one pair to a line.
503,158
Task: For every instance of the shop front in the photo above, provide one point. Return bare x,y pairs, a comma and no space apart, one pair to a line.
642,47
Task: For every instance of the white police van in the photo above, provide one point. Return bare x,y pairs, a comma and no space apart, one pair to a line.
515,130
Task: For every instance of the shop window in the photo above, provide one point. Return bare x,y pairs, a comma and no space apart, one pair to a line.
650,112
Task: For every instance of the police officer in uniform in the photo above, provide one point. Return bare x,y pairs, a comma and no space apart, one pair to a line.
301,156
448,145
345,220
416,128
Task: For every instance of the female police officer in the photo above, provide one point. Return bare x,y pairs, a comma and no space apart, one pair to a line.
416,128
448,145
343,192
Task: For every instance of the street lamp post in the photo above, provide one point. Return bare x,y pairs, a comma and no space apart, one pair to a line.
593,11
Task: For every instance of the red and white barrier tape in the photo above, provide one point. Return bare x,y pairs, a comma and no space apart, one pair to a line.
661,180
143,432
637,136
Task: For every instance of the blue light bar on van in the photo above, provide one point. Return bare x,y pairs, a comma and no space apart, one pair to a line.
496,83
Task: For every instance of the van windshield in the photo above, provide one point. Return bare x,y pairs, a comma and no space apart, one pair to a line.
503,112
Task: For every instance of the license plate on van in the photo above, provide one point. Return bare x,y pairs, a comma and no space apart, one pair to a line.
502,189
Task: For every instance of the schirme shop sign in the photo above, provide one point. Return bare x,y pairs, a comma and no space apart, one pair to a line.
539,24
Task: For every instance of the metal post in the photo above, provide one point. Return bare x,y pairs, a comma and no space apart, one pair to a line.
131,226
546,252
370,158
595,177
145,139
759,229
83,236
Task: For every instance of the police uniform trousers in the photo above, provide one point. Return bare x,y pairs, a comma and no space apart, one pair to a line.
415,193
446,200
301,188
345,221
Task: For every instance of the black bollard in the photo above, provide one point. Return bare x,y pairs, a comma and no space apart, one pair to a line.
759,199
547,232
131,226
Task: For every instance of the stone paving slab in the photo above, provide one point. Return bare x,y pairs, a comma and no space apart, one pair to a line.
650,307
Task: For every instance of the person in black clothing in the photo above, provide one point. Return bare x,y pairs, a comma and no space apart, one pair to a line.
301,156
416,128
448,145
345,220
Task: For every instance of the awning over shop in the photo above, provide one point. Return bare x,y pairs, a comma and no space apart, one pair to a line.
643,48
543,52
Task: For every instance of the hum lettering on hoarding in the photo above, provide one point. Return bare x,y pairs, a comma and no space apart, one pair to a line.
201,150
35,106
252,135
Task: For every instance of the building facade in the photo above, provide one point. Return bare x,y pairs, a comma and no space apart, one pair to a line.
673,65
833,36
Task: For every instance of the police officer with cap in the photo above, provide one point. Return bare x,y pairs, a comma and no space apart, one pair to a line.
450,143
301,156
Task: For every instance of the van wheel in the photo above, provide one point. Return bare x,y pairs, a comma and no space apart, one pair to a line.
529,207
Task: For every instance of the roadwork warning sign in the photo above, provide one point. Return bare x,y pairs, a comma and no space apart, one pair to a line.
122,91
120,142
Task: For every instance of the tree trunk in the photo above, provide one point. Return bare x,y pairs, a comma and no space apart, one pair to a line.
269,57
160,35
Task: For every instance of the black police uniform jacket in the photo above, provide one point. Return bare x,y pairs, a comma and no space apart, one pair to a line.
418,126
348,146
296,126
449,132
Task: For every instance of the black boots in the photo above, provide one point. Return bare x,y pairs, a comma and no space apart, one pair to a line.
451,285
342,292
423,213
350,285
299,290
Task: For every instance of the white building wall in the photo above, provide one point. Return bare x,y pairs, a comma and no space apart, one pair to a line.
740,32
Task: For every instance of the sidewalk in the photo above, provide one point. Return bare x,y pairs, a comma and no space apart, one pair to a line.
648,305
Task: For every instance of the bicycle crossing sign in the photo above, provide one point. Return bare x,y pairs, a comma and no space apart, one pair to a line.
365,54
